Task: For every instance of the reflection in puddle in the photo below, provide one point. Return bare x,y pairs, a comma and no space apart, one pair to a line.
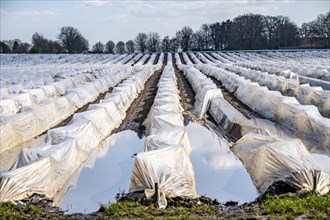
110,175
218,173
323,161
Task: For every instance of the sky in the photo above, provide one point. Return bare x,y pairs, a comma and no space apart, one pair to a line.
101,20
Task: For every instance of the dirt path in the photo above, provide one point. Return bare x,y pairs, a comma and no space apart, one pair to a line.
181,58
156,59
236,103
146,61
187,94
140,107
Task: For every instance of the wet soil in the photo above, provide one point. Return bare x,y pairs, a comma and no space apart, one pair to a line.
181,58
137,61
190,58
187,94
140,107
156,59
236,103
146,61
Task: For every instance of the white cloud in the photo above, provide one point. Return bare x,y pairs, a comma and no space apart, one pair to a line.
116,18
30,13
96,2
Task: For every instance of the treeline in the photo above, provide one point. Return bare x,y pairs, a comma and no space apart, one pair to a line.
245,32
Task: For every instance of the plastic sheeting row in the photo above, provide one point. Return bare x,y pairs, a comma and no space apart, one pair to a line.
53,167
303,93
303,119
21,127
165,159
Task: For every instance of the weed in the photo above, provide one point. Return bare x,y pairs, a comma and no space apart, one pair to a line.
289,207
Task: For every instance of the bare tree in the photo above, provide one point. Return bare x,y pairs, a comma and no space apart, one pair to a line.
174,44
98,47
38,40
10,43
153,42
130,46
4,48
197,41
165,45
110,47
320,29
206,33
184,36
120,47
287,32
72,40
23,48
247,32
141,42
15,47
216,35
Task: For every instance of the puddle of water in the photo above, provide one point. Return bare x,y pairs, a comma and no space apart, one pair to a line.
111,174
218,173
323,161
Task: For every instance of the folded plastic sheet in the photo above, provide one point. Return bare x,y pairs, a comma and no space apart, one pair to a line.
53,167
8,107
167,148
269,160
170,167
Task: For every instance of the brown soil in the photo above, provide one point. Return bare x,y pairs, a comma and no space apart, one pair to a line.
146,61
187,94
236,103
157,58
140,107
181,58
190,58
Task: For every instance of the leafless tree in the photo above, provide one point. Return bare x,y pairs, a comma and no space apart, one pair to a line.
206,33
130,46
72,40
153,42
141,42
38,40
174,44
110,47
120,47
165,45
98,47
197,41
247,32
10,43
23,48
184,36
320,29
